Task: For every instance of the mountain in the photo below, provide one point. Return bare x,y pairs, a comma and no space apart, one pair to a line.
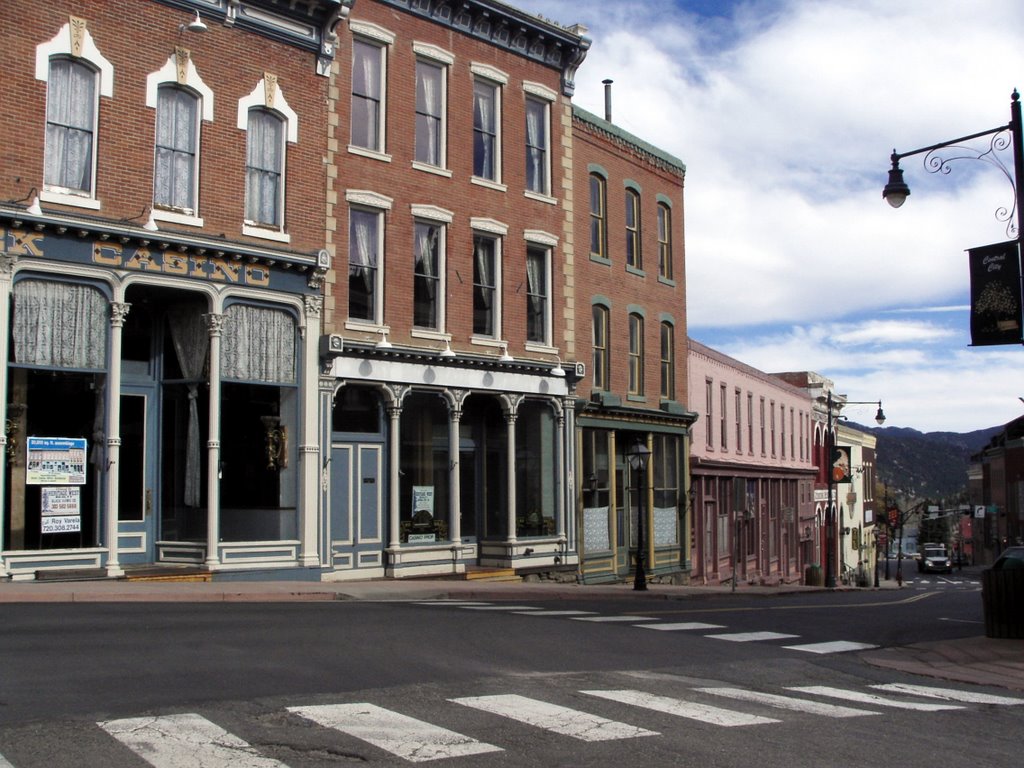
930,465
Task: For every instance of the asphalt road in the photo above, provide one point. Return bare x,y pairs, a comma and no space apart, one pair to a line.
77,678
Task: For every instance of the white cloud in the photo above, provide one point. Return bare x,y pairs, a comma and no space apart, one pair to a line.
785,112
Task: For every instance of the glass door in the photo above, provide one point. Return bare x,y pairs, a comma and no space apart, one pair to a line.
137,493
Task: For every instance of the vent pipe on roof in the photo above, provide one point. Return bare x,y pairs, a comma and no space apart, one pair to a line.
608,99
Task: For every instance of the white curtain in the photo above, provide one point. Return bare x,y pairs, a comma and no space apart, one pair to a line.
428,104
535,288
258,345
535,140
485,270
174,178
263,167
366,87
483,124
426,254
363,246
70,101
191,341
63,325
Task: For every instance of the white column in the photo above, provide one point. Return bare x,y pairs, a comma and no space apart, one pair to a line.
455,400
309,451
215,323
512,407
118,312
560,476
394,444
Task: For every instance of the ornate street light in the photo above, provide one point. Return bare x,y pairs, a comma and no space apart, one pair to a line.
832,408
638,456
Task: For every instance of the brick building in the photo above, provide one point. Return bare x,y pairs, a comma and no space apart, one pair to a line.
162,221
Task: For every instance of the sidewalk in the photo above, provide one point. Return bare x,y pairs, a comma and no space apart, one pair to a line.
975,660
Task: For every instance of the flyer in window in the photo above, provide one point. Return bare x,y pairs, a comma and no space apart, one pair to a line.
56,461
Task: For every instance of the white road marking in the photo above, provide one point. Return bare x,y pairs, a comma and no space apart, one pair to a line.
681,626
950,694
837,646
870,698
752,637
614,618
553,613
551,717
518,608
788,702
411,739
450,603
680,708
4,763
185,741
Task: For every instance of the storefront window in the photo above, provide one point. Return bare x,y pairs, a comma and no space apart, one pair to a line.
424,485
535,470
482,469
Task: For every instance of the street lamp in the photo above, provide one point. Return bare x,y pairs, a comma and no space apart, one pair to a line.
830,512
638,456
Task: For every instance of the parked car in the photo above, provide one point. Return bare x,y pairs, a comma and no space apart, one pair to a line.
1012,557
934,559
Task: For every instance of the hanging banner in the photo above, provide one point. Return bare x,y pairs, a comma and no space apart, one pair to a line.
995,294
841,464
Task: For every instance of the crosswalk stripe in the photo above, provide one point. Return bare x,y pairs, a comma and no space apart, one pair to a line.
870,698
553,613
4,763
185,740
788,702
450,603
838,646
404,736
680,708
752,637
517,608
681,626
969,697
552,717
611,619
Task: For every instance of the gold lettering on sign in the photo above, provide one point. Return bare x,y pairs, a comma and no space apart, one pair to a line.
143,260
174,264
106,253
257,275
26,243
225,270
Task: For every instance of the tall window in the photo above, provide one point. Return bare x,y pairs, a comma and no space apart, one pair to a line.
485,285
427,277
772,414
486,118
177,143
264,190
364,295
668,373
537,146
723,427
664,241
537,292
709,412
636,354
738,405
750,423
633,257
782,426
70,126
430,83
368,95
598,216
602,354
764,451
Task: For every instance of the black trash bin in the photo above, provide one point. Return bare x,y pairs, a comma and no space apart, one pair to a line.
1002,595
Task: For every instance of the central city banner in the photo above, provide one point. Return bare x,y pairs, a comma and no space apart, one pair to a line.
995,294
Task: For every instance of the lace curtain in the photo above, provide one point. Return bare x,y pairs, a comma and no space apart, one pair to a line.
70,101
263,167
63,325
258,345
191,339
428,108
365,94
175,148
483,130
535,146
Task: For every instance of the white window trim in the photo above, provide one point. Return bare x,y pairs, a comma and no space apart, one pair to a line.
432,213
548,242
84,49
540,91
545,196
377,204
439,217
497,231
373,34
368,199
169,73
428,51
268,94
445,66
499,80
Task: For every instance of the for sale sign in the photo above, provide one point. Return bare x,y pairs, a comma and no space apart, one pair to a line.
61,509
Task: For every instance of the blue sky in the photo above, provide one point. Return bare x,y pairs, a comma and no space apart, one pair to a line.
785,112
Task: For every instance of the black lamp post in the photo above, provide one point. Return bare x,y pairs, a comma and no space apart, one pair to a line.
830,512
896,191
638,456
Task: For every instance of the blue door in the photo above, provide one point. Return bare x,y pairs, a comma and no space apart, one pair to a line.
356,534
137,495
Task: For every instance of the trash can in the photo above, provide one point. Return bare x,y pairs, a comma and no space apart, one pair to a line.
813,577
1002,597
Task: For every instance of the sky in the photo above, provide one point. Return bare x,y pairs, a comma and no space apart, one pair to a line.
785,113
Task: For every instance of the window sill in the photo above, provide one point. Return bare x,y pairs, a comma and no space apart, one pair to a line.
540,198
266,233
635,271
487,341
636,398
424,333
600,260
69,198
434,169
370,153
540,348
666,281
482,182
175,217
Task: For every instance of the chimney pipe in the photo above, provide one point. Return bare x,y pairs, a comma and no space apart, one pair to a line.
607,99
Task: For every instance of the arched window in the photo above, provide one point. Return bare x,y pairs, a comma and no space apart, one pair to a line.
71,107
264,169
175,172
636,354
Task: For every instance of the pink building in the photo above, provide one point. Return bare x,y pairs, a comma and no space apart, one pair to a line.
752,470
